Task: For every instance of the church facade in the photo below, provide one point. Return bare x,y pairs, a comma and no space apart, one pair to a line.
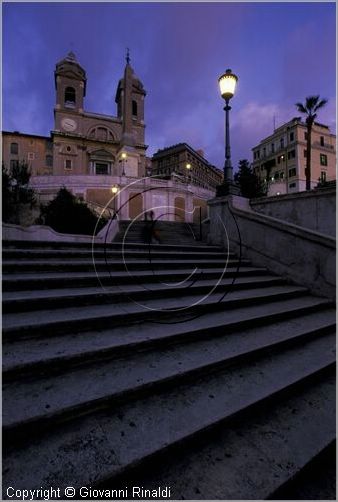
101,158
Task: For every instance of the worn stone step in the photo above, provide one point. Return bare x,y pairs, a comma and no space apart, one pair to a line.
32,404
52,245
24,301
97,316
254,455
95,447
80,254
50,280
14,266
52,354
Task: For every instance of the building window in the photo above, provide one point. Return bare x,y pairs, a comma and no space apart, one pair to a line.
264,152
31,156
102,168
70,97
323,159
49,160
276,176
323,176
322,141
68,164
49,145
134,108
305,136
282,142
305,154
292,136
272,148
292,172
291,154
292,185
281,175
14,148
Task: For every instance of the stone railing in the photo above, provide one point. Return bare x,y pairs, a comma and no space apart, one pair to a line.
301,255
315,209
47,234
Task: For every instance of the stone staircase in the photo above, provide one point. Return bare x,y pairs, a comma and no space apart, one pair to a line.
170,232
163,366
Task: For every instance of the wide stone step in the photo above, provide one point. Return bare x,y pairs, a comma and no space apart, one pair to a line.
88,246
45,354
51,280
253,455
99,316
24,301
36,404
13,266
80,254
95,447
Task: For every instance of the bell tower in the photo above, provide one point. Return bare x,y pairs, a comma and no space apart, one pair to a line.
129,98
70,85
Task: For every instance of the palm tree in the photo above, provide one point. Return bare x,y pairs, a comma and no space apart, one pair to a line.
312,104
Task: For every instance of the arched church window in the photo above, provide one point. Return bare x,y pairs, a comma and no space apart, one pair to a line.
70,97
134,108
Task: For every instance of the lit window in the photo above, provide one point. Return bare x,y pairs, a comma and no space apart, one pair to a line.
323,159
14,148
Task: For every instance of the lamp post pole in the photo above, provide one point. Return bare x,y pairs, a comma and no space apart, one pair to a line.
227,83
228,171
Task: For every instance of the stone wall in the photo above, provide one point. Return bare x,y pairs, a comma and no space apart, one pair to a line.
315,210
302,256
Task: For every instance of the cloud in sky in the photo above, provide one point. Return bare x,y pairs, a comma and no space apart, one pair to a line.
282,52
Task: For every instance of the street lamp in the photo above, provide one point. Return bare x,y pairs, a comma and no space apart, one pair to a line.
188,167
123,160
114,190
227,84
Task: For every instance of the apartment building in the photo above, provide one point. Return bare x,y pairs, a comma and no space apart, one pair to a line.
280,159
187,163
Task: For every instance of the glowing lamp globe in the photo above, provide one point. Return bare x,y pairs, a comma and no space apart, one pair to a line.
227,84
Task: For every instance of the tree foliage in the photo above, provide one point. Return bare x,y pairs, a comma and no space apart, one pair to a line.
16,190
67,214
251,186
309,108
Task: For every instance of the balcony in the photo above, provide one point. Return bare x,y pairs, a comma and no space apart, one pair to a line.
325,146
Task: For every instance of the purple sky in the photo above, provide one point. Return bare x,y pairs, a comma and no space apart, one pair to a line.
281,52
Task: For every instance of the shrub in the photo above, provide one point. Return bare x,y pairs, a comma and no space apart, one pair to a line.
67,214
